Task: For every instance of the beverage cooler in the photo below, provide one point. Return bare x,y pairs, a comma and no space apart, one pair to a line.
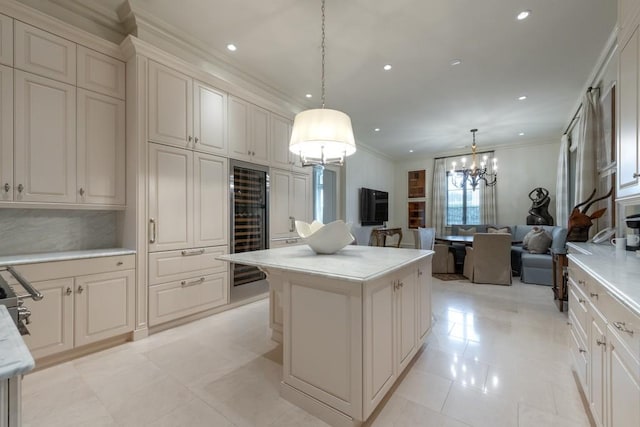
249,209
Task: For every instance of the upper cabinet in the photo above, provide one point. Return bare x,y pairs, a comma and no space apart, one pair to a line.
628,156
185,113
248,131
43,53
6,40
100,73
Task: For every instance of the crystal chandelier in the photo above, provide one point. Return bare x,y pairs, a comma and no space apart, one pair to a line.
322,136
474,174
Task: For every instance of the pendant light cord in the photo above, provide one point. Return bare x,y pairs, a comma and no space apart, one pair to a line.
322,47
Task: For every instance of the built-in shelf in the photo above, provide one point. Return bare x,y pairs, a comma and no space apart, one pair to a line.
416,184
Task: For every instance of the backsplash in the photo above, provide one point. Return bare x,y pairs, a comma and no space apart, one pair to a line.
28,231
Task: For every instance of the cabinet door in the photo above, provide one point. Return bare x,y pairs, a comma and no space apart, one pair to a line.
211,200
43,53
6,133
239,147
406,315
424,299
209,119
259,135
100,73
300,197
623,384
170,198
101,149
597,349
45,140
280,136
280,224
170,104
6,40
104,306
51,327
627,92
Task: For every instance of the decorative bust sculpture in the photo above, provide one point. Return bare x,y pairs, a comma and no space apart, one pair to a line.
539,214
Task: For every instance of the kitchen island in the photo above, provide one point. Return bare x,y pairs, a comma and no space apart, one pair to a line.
350,323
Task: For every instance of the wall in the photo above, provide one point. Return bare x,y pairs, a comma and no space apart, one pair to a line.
28,231
366,168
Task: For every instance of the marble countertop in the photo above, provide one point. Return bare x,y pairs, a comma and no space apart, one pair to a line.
15,358
62,256
619,272
353,263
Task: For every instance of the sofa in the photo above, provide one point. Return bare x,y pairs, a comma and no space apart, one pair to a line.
532,268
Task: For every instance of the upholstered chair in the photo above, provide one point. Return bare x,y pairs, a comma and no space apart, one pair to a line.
489,260
443,260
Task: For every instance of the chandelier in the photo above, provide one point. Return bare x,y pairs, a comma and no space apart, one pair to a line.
322,136
474,174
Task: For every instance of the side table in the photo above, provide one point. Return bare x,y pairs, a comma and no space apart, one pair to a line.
560,263
379,236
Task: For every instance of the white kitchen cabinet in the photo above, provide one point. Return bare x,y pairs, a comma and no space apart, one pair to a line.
186,113
281,157
597,350
6,40
44,54
170,198
6,133
424,300
248,131
188,199
45,140
628,155
101,149
104,306
623,387
171,266
290,200
407,297
100,73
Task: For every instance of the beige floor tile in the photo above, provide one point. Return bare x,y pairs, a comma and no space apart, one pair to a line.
426,389
195,413
524,386
479,409
400,412
528,416
452,367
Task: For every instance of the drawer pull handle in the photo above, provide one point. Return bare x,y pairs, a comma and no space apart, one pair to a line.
186,284
569,323
636,175
582,350
581,282
195,252
292,224
602,341
621,326
119,263
593,295
581,301
152,223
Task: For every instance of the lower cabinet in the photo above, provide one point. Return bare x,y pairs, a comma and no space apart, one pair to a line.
81,309
623,374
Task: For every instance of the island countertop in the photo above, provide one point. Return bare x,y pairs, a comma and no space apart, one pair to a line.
15,358
352,263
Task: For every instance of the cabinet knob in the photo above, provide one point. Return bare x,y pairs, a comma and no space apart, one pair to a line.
189,138
20,188
68,291
636,175
81,191
6,187
80,289
196,140
601,341
593,295
119,263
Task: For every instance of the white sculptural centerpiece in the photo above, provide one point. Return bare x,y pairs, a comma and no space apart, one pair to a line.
325,239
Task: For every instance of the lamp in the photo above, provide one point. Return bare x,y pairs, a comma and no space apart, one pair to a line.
322,136
475,174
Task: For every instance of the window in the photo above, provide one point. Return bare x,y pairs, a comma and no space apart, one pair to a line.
463,204
325,197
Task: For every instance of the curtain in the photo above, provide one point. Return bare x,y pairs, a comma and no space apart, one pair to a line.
562,183
439,203
590,134
488,198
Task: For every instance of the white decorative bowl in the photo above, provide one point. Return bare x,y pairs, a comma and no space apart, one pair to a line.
325,239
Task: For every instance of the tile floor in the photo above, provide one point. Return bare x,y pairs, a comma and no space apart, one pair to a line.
497,356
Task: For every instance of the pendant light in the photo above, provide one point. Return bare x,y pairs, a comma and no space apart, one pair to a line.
322,136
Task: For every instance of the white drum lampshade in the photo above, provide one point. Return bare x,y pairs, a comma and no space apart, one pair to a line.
322,136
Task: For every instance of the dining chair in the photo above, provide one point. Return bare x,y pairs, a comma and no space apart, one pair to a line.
443,260
489,259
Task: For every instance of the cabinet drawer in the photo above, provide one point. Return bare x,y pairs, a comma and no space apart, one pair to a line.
76,267
579,358
578,305
43,53
181,298
580,278
100,73
176,265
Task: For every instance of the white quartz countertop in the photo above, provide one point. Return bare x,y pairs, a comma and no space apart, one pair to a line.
62,256
619,272
353,263
15,358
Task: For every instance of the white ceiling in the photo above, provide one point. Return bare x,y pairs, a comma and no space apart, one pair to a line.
423,103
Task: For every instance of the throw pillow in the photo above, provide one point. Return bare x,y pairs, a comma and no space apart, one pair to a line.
527,237
540,242
466,231
502,230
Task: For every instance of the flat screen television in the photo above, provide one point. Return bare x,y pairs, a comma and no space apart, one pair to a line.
374,206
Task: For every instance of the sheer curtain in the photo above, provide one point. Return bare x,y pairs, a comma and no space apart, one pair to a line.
562,183
439,203
590,134
487,198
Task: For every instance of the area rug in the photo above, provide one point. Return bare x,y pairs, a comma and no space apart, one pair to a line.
449,276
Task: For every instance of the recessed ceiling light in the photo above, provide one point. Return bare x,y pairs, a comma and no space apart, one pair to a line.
232,47
376,130
522,98
411,151
309,95
455,62
523,15
521,134
387,67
